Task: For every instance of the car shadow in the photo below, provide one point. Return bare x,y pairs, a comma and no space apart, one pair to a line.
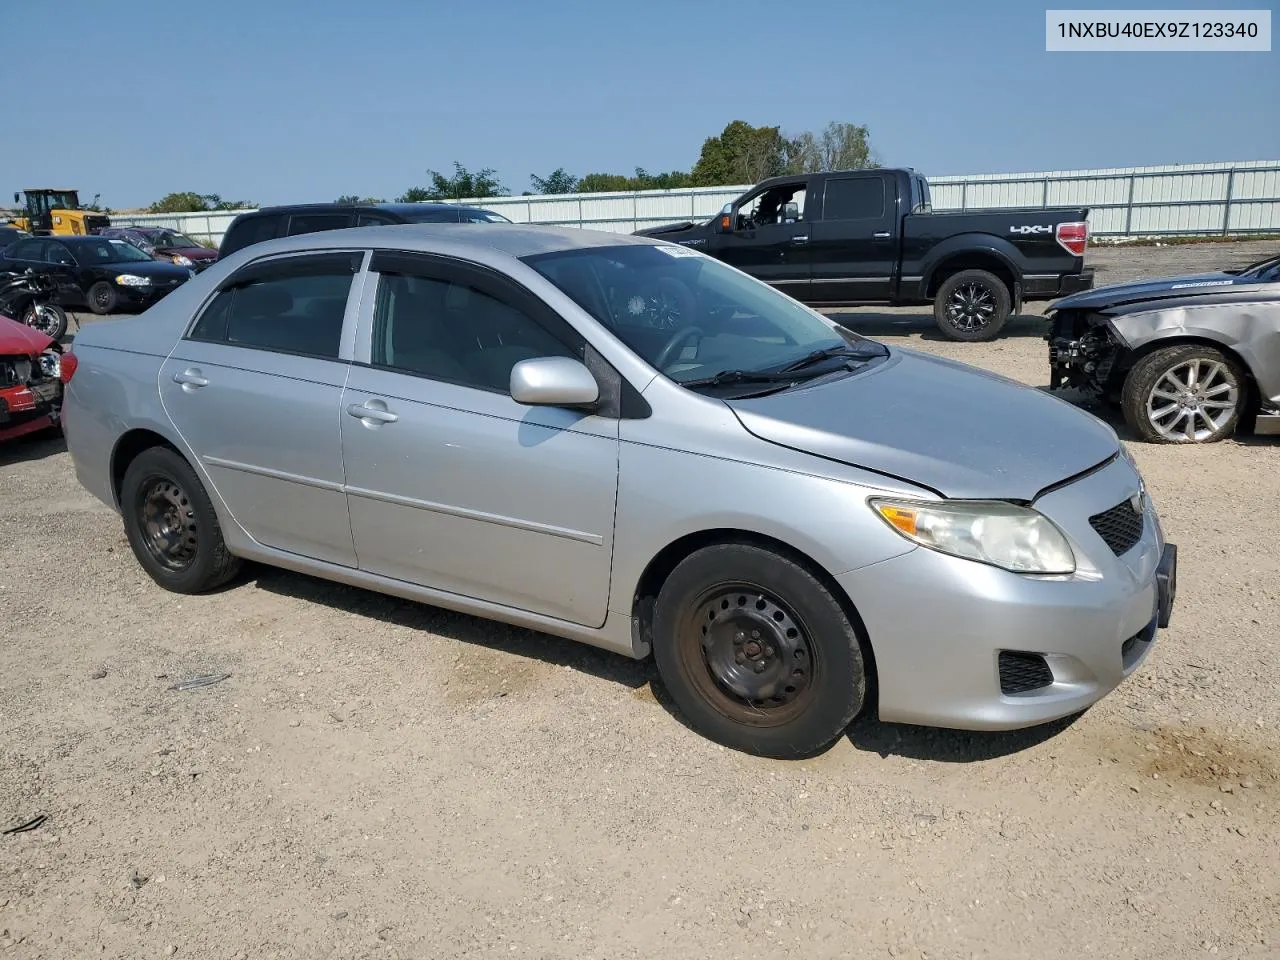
639,676
871,324
949,746
33,446
462,627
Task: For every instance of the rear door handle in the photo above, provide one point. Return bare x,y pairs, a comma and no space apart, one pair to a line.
881,235
190,379
801,239
372,414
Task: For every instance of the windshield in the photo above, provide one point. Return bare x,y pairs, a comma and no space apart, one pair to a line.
106,251
693,318
170,239
1268,269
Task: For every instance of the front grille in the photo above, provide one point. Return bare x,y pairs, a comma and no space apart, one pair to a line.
1022,672
1120,527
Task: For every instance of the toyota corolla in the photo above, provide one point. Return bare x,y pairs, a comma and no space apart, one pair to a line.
625,442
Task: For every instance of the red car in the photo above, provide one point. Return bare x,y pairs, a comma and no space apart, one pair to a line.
33,371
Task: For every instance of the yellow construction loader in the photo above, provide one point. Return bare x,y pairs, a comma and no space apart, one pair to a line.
55,212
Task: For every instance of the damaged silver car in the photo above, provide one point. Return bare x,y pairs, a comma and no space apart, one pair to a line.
1188,359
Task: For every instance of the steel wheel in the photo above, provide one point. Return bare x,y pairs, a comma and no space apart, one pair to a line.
971,306
1193,401
749,655
169,527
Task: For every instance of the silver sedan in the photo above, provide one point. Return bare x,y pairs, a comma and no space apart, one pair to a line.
624,442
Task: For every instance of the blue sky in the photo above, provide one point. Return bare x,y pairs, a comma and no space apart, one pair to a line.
292,100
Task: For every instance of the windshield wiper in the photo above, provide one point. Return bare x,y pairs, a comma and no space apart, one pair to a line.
869,352
738,376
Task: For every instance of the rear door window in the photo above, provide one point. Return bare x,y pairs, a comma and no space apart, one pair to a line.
292,305
374,220
252,230
854,198
30,249
315,222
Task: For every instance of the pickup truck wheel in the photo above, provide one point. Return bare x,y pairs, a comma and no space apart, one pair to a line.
972,305
756,653
1187,394
171,525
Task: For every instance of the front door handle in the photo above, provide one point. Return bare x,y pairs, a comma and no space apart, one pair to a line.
881,235
361,411
190,379
800,239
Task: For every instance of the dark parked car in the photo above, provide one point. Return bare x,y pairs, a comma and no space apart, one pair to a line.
101,273
287,221
165,244
11,235
854,237
1187,358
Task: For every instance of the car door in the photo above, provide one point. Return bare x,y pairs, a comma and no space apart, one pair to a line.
255,388
66,272
453,485
854,243
766,242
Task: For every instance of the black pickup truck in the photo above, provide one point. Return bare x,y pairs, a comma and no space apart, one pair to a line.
854,237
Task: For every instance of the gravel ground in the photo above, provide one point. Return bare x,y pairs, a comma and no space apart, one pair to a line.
381,779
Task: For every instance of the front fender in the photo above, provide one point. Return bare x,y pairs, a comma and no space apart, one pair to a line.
1249,330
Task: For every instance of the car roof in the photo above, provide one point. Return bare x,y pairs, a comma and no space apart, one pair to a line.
73,239
355,207
489,241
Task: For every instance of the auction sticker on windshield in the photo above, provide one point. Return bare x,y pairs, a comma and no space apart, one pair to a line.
674,251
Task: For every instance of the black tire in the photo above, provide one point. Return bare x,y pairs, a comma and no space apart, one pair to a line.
103,298
1219,380
54,322
199,560
972,306
818,678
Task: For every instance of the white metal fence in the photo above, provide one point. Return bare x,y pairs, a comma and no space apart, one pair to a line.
1183,199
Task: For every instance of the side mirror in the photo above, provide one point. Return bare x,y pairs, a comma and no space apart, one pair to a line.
790,212
725,223
553,382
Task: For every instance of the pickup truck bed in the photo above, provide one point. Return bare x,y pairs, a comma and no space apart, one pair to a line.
859,237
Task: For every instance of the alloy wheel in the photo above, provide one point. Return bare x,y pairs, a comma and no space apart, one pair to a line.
1193,400
971,306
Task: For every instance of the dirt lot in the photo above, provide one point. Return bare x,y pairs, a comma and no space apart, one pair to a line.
379,779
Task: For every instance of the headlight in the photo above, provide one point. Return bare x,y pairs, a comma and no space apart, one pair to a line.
181,261
1014,538
133,280
51,364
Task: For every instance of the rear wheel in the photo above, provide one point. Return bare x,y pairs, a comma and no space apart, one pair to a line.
103,298
972,305
49,318
756,653
1186,394
171,524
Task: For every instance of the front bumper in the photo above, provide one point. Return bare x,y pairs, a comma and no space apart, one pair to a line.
938,624
24,410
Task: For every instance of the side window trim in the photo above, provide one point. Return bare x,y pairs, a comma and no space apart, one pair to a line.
359,259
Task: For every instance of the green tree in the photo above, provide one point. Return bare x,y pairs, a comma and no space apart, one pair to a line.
188,202
603,183
839,146
558,180
740,154
642,180
351,198
463,184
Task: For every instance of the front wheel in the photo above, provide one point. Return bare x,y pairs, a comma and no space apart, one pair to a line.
103,298
756,653
972,305
1187,394
49,318
171,525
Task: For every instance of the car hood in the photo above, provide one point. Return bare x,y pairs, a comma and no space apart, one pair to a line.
191,253
1117,294
155,269
957,430
17,339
